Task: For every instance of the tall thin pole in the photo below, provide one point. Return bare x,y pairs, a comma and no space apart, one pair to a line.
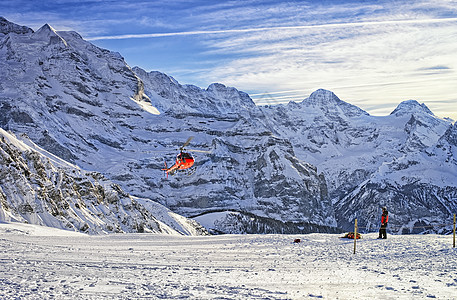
454,232
355,234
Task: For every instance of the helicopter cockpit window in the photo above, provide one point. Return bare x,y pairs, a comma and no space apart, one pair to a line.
186,155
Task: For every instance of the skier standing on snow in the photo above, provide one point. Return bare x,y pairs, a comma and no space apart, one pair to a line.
384,220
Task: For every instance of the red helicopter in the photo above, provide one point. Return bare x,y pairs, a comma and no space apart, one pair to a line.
184,161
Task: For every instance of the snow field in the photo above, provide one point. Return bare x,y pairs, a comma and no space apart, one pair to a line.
43,263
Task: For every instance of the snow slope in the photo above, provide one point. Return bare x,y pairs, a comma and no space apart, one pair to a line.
41,263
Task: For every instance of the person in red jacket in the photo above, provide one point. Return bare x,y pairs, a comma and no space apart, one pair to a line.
384,220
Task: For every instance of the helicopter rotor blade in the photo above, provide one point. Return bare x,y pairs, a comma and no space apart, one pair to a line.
181,148
187,142
200,151
157,151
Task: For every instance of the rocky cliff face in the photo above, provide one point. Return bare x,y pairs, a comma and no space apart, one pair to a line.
40,188
87,106
396,161
319,162
419,186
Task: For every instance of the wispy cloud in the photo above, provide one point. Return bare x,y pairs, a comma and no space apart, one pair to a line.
276,28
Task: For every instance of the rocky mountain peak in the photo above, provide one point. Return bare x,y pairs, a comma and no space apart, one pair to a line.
7,27
48,34
218,90
323,96
328,102
410,107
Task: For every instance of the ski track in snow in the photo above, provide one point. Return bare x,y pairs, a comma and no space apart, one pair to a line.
42,263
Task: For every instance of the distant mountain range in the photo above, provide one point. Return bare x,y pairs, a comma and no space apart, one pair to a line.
315,165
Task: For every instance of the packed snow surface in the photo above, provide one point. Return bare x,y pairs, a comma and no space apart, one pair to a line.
47,263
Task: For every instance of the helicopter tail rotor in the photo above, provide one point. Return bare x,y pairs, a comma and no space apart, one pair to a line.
166,168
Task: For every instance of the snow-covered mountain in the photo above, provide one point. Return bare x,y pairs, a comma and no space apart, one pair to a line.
40,188
312,165
87,106
420,186
406,161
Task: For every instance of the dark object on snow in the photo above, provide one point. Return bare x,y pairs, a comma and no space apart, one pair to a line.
350,235
297,241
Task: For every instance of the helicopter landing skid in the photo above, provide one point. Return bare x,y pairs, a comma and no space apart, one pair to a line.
191,170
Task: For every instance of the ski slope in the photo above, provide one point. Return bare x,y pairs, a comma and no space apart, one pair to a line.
45,263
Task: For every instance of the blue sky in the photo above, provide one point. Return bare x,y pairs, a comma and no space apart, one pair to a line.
373,54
